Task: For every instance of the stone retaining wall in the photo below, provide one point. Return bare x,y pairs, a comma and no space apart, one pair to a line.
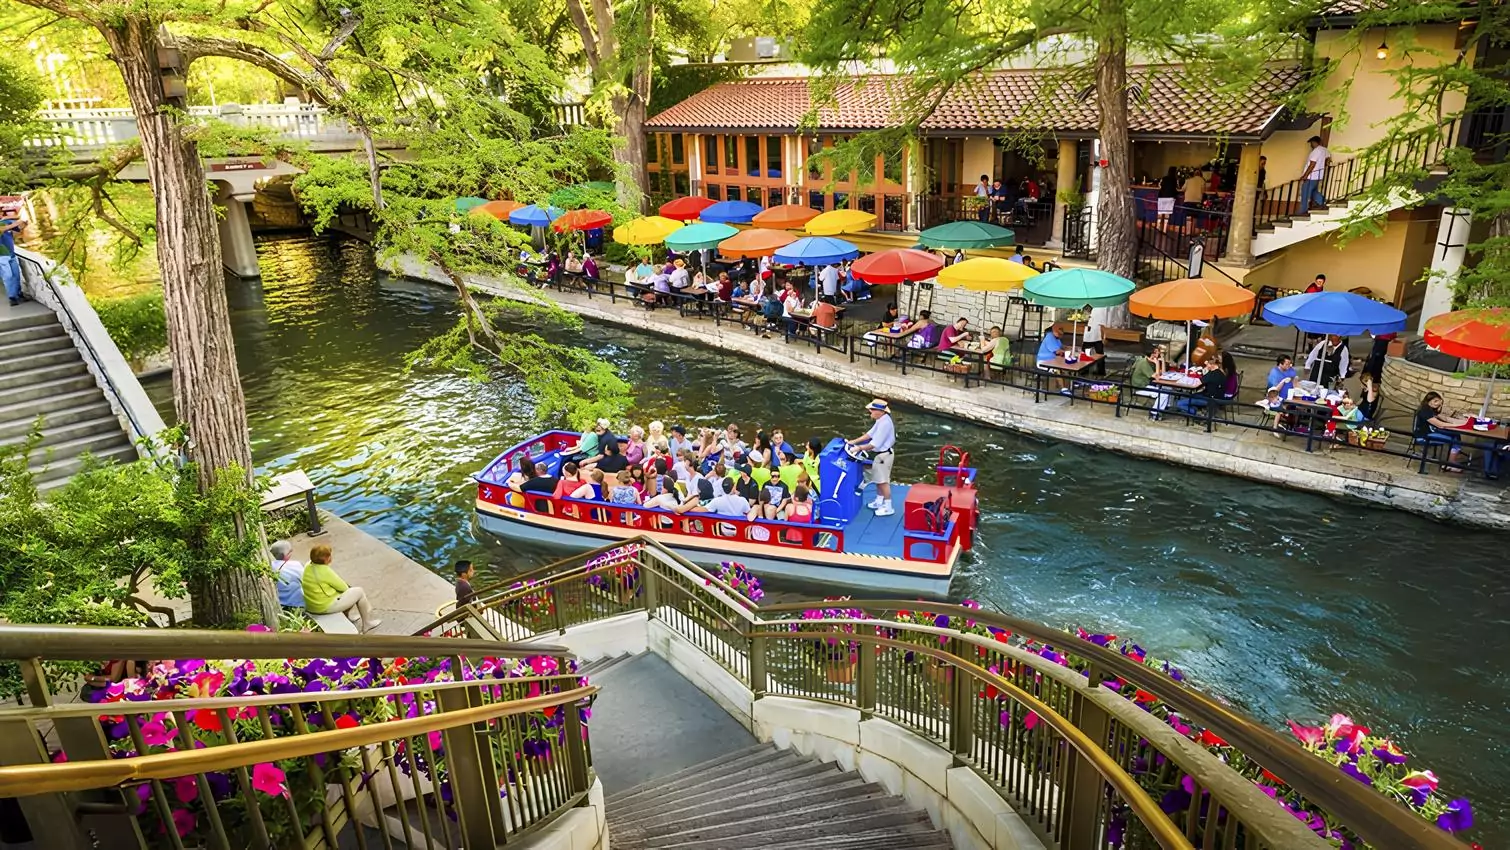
1406,383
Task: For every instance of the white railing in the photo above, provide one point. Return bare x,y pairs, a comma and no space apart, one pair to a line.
97,128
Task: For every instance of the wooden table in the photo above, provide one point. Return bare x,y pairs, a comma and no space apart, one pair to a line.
1058,365
1315,413
1498,433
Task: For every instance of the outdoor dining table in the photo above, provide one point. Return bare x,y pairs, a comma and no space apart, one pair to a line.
1313,414
1486,440
888,337
1058,364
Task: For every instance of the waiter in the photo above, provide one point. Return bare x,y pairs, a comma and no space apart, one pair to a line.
879,441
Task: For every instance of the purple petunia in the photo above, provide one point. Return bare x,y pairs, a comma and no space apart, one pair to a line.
1352,770
1458,817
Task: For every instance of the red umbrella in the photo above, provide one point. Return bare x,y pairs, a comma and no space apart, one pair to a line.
1481,335
686,209
581,220
897,265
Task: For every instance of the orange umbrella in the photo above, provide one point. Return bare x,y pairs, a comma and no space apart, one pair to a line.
497,209
786,216
755,242
581,220
1188,299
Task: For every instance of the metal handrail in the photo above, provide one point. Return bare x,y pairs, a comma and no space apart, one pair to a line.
138,432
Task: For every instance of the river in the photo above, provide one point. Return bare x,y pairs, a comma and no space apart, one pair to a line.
1287,604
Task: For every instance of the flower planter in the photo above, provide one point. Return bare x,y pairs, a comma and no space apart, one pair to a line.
1374,443
839,671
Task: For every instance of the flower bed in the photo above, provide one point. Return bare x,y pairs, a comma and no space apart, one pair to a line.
290,794
616,573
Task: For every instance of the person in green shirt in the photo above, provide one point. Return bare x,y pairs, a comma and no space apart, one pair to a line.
1141,379
326,593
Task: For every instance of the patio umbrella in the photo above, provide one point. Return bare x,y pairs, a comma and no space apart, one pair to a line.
1481,335
1076,288
696,237
897,265
686,209
966,234
816,251
497,209
835,222
739,212
1188,299
534,215
785,216
468,204
1340,313
986,274
649,230
581,220
755,242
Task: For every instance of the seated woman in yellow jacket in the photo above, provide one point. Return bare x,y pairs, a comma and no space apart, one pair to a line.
326,593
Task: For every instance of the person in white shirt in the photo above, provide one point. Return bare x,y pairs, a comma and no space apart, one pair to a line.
880,440
288,575
828,283
1315,171
728,502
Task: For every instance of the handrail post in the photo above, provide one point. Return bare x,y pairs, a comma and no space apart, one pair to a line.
576,749
961,698
473,778
757,650
649,586
1084,789
865,688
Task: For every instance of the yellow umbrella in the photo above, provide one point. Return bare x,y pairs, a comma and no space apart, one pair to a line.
987,274
649,230
835,222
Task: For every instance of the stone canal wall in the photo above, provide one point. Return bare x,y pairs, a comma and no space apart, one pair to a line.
1244,452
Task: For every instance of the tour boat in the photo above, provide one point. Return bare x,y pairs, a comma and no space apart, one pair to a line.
912,551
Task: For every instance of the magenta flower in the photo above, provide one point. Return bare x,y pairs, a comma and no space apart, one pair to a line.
183,821
154,733
1311,736
1030,720
269,779
186,789
1421,779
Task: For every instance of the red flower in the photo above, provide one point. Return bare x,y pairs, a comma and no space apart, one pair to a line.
346,721
205,719
991,692
1210,739
1144,696
549,711
1275,779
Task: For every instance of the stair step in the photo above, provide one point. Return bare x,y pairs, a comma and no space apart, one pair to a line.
915,838
45,405
33,333
743,822
40,359
811,832
15,386
773,799
11,351
40,396
714,784
28,320
54,434
598,666
748,756
60,471
90,405
92,442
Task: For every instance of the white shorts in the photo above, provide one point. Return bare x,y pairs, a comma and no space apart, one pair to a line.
880,467
1166,206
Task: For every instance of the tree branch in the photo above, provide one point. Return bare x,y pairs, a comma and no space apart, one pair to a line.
199,46
584,29
349,24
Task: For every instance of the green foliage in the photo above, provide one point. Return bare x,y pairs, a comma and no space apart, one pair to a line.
21,96
675,83
136,323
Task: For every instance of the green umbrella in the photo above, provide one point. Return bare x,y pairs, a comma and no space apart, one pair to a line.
467,204
1078,288
696,237
966,234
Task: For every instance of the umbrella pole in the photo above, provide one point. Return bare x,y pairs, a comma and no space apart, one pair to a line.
1488,393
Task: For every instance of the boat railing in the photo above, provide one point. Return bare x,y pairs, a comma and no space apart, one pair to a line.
533,448
1086,743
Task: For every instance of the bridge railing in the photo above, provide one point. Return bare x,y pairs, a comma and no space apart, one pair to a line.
1040,714
289,740
101,127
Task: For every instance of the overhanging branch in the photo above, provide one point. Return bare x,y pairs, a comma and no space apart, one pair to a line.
199,46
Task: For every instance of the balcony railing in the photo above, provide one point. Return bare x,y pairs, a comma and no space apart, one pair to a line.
1032,221
1077,760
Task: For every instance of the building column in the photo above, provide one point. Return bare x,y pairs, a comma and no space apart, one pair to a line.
1244,203
695,165
237,251
1446,263
1064,181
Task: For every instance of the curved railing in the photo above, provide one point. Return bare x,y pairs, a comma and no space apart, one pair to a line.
291,740
1074,757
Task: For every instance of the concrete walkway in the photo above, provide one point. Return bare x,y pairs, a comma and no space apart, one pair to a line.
1244,452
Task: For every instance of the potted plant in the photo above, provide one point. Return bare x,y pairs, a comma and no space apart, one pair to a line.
735,577
836,655
616,573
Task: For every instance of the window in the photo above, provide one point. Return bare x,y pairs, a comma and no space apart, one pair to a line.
752,155
777,198
814,147
680,184
731,154
753,194
840,200
713,193
653,150
773,156
731,193
891,218
815,200
710,154
678,155
891,168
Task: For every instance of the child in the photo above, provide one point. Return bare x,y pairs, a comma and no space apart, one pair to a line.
465,595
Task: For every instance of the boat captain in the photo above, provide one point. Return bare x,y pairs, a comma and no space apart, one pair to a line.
880,440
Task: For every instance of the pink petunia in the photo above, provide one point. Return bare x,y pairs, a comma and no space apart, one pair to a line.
1337,722
183,821
186,788
155,733
1311,736
269,779
1030,720
1421,779
205,685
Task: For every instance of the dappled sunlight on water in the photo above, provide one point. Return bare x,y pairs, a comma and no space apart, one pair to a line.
1286,604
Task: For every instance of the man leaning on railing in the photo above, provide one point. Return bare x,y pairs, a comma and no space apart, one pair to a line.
10,266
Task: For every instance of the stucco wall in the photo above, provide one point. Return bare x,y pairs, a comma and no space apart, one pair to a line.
1385,263
1406,383
980,158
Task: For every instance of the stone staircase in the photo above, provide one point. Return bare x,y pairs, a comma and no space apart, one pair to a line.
44,375
763,797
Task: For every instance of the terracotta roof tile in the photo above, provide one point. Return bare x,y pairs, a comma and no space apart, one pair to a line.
1164,103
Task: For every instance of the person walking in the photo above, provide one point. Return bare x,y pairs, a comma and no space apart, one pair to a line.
1311,195
326,593
10,265
880,441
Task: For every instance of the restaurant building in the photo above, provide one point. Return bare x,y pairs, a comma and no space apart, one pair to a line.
755,139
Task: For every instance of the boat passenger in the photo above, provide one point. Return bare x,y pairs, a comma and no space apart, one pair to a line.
728,503
810,460
788,470
589,449
779,443
613,461
522,470
637,479
655,437
569,481
623,492
678,441
592,488
634,452
763,509
659,494
800,509
541,482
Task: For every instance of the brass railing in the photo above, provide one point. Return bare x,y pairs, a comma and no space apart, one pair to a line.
291,740
1076,759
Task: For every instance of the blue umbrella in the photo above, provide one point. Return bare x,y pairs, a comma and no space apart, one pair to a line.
817,251
1340,313
535,216
738,212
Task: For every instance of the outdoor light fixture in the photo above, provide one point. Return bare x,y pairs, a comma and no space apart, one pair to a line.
1383,52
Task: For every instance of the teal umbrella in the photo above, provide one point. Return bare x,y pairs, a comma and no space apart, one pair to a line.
966,234
1078,288
467,204
696,237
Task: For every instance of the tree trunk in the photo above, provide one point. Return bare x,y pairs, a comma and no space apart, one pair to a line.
206,385
631,112
1116,225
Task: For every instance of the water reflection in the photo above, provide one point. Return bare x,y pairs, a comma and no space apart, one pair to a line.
1288,605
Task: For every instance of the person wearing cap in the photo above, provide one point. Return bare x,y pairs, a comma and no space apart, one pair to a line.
879,441
589,449
678,441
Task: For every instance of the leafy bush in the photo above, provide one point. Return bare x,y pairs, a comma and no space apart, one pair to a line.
136,323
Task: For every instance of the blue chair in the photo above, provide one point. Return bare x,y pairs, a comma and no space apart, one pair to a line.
1430,446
